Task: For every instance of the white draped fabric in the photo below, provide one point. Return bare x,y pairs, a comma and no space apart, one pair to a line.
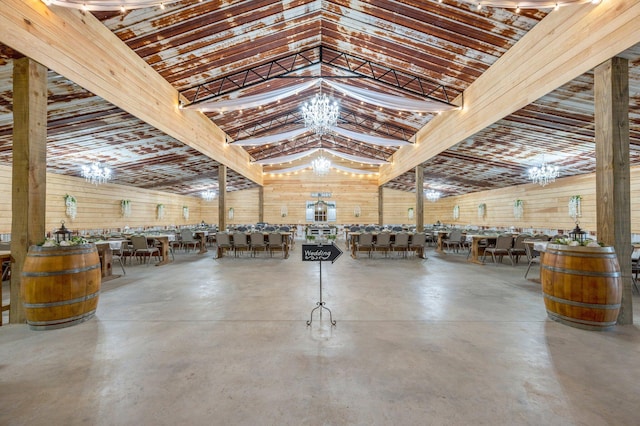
527,4
374,140
137,4
267,140
272,139
355,158
354,171
109,4
294,157
399,103
290,169
333,166
251,101
287,158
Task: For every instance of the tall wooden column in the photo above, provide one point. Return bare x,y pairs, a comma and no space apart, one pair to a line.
419,198
29,170
222,191
380,207
611,89
261,204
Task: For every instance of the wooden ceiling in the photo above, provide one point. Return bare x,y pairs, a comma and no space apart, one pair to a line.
217,50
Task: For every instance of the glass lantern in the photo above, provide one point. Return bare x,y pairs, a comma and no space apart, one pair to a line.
63,233
577,234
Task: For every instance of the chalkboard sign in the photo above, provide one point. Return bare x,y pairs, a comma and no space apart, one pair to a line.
320,252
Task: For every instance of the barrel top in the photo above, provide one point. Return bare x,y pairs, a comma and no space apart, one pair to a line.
37,248
579,249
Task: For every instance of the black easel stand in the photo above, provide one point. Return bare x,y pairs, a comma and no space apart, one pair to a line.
320,304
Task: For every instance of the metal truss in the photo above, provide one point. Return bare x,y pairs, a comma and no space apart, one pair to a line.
357,67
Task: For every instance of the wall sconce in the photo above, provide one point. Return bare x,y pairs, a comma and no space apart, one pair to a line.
356,211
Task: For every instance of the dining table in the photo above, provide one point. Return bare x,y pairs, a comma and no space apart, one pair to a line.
163,240
202,236
439,244
476,249
105,252
286,236
353,242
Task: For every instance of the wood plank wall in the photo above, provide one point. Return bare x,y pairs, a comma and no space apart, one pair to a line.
294,190
246,209
99,207
544,208
396,206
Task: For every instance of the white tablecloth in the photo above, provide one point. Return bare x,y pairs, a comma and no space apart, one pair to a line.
540,245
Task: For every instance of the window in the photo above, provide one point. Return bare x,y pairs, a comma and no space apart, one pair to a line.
321,211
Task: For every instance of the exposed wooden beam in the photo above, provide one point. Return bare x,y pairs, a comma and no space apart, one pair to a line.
79,47
28,171
613,175
564,45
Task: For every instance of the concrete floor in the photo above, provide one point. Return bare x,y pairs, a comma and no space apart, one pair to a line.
225,342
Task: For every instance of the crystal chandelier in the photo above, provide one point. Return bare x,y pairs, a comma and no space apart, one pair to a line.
320,114
208,195
544,173
432,195
321,166
96,174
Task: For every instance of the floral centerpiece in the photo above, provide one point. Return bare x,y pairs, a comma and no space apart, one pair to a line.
74,241
573,243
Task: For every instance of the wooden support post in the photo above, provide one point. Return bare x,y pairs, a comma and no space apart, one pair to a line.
611,89
29,170
380,207
419,198
222,191
261,204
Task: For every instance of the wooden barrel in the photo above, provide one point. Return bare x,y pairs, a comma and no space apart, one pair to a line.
582,286
60,285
